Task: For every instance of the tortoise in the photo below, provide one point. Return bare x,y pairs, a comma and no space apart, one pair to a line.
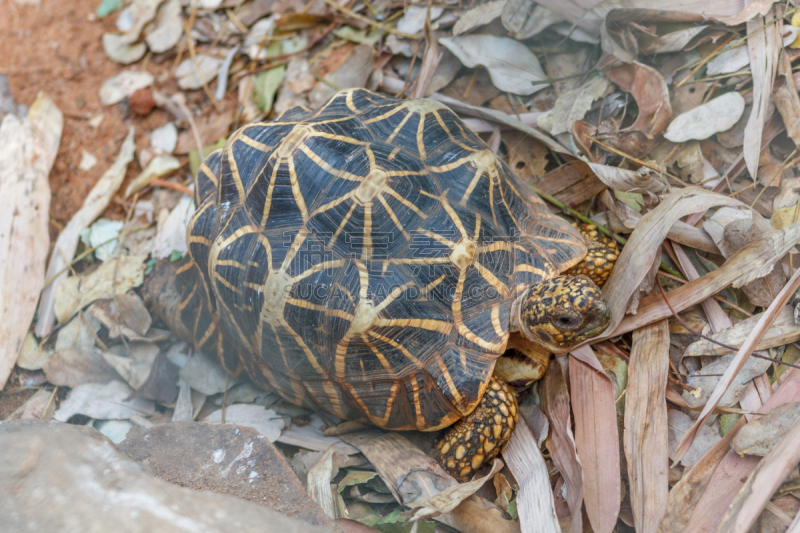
375,259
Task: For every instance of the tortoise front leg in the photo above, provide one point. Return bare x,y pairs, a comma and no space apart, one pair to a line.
483,434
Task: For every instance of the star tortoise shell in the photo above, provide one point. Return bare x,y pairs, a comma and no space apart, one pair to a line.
364,257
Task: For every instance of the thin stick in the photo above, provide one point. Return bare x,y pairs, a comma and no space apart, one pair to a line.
171,185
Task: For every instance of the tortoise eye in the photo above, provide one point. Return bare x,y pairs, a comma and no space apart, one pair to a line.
567,321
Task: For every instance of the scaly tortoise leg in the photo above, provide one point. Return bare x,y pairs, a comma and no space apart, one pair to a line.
481,435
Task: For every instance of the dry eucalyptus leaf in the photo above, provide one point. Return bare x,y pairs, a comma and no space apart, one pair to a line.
760,434
511,65
103,401
124,84
265,421
679,423
204,376
478,16
159,166
192,74
167,29
525,18
171,235
27,151
783,331
573,105
80,333
732,60
116,276
120,51
762,291
704,381
74,367
141,12
719,114
353,72
674,41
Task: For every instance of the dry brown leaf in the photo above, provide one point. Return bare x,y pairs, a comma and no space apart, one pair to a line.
414,478
741,357
762,484
786,98
645,435
452,496
760,434
761,291
28,149
596,438
764,44
561,441
718,115
734,470
66,244
783,331
685,493
572,106
535,506
650,92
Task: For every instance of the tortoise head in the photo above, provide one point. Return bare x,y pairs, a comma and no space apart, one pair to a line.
562,312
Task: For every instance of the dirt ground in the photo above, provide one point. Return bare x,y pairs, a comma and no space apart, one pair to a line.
56,47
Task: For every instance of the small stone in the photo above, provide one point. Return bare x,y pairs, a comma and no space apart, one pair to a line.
142,102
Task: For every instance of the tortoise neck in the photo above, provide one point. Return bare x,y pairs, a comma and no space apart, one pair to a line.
516,323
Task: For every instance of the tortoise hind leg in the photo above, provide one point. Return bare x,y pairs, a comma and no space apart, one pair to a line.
481,435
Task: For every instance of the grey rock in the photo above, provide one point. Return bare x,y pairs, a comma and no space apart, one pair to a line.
65,478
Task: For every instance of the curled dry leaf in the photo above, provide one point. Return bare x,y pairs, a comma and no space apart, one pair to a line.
167,28
720,114
761,434
120,51
650,92
159,166
643,180
511,65
124,84
27,151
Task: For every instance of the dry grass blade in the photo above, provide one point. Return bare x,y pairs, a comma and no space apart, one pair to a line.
561,441
645,435
751,262
685,494
27,151
766,478
535,506
763,43
596,438
744,352
66,244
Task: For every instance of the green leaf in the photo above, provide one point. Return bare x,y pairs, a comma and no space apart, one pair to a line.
107,7
349,33
265,85
355,477
150,264
394,523
634,200
727,421
175,256
512,508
